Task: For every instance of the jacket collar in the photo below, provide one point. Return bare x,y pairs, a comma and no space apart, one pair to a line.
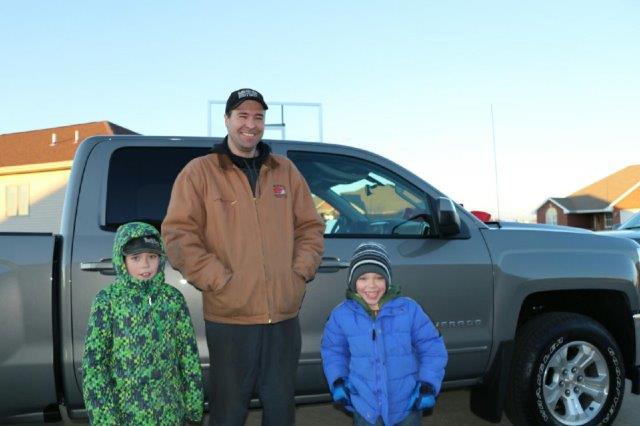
392,294
224,152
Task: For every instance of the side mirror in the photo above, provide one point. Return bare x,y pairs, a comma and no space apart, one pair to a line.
448,218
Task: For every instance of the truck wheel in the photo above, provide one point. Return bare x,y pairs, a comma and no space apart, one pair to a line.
567,370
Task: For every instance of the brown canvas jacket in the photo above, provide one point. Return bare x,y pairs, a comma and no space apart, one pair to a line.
251,257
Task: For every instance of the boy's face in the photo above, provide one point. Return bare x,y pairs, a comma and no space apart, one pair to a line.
371,287
142,266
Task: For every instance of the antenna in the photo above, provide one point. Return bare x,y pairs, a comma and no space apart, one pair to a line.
495,162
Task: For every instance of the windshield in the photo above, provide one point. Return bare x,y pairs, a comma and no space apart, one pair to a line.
632,223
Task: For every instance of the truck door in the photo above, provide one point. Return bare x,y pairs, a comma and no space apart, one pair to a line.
363,197
27,294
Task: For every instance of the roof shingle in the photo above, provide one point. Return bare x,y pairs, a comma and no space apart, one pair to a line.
612,187
620,188
35,146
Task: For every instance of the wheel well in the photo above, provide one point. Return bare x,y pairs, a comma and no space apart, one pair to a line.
609,308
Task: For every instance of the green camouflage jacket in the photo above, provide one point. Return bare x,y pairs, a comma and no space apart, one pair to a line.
141,364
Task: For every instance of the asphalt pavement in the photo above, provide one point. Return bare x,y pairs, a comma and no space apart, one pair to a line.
452,410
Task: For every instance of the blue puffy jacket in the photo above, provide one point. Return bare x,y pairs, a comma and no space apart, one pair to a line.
383,357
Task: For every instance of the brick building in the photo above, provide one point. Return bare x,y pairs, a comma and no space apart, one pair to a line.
598,206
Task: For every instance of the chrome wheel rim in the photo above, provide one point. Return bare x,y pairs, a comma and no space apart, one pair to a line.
576,383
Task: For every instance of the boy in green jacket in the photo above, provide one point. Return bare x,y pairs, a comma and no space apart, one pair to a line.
141,364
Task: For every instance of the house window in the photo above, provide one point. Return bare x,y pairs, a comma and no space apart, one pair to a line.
551,216
608,221
17,200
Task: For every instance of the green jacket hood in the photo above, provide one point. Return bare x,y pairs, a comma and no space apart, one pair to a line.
126,233
393,292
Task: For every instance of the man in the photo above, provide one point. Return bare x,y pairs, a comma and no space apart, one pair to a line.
242,227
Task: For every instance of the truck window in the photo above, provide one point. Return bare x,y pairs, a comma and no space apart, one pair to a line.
140,181
360,198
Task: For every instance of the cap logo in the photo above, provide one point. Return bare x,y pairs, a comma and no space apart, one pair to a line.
150,240
248,93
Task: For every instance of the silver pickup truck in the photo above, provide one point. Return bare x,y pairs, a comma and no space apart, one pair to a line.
542,323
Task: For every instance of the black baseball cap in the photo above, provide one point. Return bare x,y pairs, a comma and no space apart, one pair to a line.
241,95
146,244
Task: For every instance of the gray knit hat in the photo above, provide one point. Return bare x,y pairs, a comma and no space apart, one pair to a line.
369,257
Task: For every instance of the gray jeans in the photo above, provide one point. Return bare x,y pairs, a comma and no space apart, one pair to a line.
413,419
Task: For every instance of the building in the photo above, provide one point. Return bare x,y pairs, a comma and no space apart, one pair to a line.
34,169
598,206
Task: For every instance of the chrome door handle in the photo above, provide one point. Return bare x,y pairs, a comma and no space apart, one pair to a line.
103,266
332,264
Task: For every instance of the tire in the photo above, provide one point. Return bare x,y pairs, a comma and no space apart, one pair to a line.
567,370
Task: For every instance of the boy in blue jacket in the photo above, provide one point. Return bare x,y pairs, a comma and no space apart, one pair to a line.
383,358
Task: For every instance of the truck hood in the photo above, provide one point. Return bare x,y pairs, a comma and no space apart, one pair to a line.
632,234
534,258
537,227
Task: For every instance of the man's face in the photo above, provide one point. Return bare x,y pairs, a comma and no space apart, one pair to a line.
245,127
142,266
371,287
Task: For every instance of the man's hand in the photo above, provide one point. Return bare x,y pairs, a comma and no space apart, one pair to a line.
341,393
423,397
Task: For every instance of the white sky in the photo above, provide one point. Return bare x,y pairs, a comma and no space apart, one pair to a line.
411,80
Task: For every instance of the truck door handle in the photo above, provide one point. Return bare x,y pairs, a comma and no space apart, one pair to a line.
103,266
332,264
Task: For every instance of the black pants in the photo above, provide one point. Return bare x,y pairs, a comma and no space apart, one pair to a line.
263,357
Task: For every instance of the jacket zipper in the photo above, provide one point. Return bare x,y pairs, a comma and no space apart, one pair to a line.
256,197
375,351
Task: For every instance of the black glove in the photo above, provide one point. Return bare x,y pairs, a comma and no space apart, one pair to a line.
341,393
423,397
